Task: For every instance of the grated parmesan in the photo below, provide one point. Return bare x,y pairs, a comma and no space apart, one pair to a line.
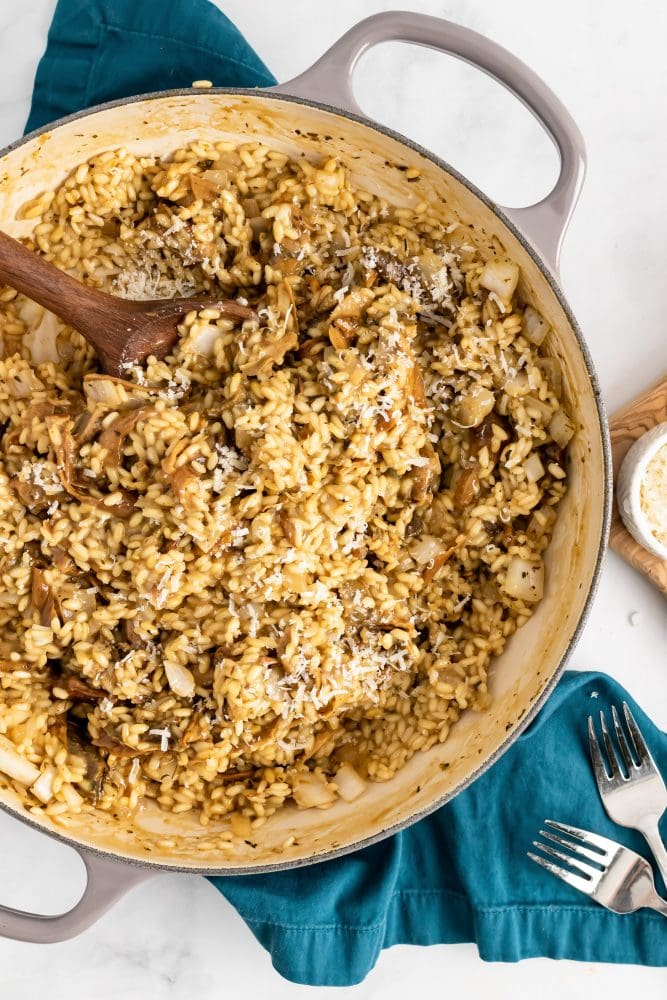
653,494
165,736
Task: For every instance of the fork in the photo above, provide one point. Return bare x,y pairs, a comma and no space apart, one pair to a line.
638,798
617,877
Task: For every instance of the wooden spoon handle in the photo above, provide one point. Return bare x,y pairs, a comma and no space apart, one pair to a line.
52,288
121,331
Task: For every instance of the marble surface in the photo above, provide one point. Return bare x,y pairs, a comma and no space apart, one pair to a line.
176,937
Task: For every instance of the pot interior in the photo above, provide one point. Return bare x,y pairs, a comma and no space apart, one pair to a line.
532,657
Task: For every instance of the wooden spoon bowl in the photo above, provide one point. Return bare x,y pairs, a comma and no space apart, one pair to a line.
123,332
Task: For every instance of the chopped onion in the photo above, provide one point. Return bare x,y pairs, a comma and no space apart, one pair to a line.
469,409
533,467
350,785
180,679
542,521
218,177
561,428
43,787
112,392
16,766
503,404
543,410
72,797
524,579
311,790
22,384
203,340
228,161
535,327
518,385
426,549
31,313
500,276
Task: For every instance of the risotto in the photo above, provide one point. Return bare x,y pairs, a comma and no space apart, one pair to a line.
276,564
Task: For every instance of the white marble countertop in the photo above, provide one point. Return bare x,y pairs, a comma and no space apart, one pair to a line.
176,937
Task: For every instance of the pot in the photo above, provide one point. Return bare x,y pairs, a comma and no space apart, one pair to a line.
310,114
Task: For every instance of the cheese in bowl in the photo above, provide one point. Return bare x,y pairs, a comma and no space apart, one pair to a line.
653,494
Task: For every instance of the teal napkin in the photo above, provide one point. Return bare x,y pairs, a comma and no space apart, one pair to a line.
462,874
102,50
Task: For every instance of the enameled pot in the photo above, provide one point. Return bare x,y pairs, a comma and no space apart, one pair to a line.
313,115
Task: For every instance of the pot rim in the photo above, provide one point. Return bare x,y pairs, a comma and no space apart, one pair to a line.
539,702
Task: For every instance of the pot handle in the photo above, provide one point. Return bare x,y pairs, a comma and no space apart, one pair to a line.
107,881
329,81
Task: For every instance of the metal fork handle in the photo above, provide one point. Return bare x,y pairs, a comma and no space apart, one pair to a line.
651,833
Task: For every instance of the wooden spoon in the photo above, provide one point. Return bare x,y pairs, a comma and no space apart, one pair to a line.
123,332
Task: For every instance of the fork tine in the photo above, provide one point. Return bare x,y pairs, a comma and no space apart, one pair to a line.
576,881
642,751
603,844
622,742
577,846
575,863
596,755
609,747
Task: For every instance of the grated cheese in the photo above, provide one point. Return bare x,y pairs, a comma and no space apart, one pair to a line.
653,494
165,736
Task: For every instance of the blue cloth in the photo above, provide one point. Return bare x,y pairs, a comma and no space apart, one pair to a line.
101,50
462,874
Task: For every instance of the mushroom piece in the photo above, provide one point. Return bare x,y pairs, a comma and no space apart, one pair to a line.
31,495
43,599
79,745
425,475
269,353
80,690
115,746
64,447
114,436
465,484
